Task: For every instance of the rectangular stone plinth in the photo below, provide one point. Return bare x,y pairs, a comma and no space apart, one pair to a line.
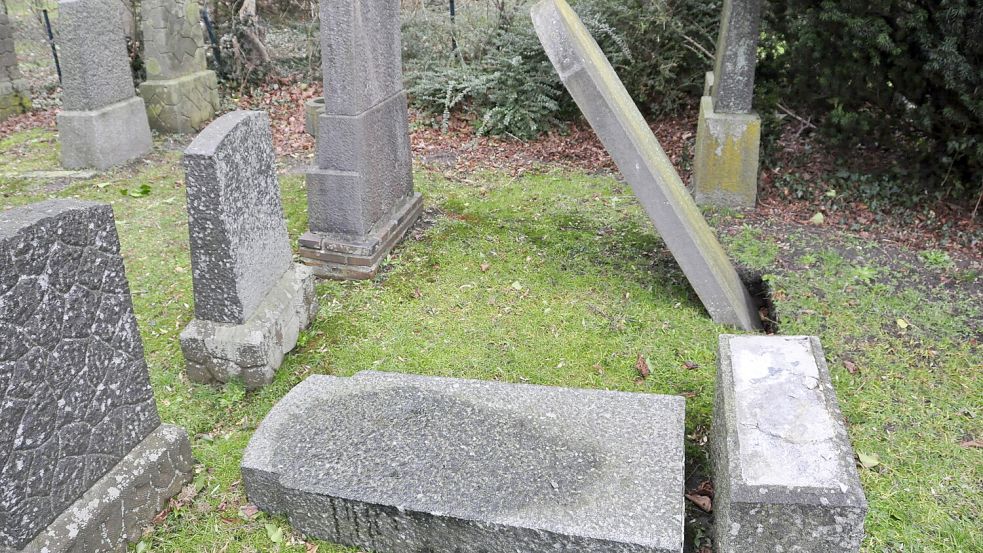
14,99
181,105
254,350
398,463
725,166
117,508
608,107
106,137
784,470
357,258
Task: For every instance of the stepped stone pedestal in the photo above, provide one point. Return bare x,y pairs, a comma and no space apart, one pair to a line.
403,464
784,470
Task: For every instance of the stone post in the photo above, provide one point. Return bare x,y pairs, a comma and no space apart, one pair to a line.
85,463
360,194
14,98
180,92
103,123
251,300
725,169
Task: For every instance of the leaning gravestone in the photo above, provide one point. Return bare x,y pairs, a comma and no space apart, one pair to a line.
394,463
180,92
606,104
14,98
84,460
784,470
251,300
360,195
725,166
103,123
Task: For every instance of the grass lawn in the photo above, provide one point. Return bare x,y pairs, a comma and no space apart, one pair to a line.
558,278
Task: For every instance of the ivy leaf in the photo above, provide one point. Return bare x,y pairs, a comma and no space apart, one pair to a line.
868,461
275,533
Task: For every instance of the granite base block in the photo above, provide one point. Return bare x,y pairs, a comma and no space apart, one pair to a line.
115,510
347,258
184,105
725,165
104,138
397,463
253,351
784,469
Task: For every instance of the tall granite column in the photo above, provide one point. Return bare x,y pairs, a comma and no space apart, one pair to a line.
725,171
180,92
14,98
103,122
360,194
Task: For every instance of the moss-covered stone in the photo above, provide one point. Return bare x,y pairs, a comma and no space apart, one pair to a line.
182,105
13,101
725,168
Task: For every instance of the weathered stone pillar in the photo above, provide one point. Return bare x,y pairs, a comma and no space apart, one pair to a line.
180,92
725,169
103,123
360,194
14,98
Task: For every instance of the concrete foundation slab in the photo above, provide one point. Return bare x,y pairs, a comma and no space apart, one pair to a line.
220,352
409,464
725,166
784,470
105,137
115,510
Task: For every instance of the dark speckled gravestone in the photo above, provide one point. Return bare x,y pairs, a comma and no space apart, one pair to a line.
75,397
403,464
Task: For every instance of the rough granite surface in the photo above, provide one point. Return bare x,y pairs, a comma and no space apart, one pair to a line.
239,243
92,49
252,352
106,137
115,510
608,107
784,469
399,463
75,395
737,56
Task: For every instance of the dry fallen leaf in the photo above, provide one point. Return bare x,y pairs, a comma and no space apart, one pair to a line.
485,267
851,367
642,366
971,443
705,488
691,365
249,511
701,501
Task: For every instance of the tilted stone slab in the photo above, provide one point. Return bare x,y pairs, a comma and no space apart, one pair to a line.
606,104
103,124
251,301
784,470
75,396
404,464
736,57
360,193
14,95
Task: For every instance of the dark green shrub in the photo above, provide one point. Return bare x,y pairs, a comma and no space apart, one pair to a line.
500,74
906,74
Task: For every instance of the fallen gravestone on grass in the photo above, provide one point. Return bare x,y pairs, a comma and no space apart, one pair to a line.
404,464
251,299
606,104
783,466
85,463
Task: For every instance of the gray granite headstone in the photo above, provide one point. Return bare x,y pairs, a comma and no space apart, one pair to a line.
610,110
103,123
245,282
394,463
75,396
360,194
14,97
180,92
784,469
737,56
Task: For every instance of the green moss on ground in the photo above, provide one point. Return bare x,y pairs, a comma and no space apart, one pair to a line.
558,278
